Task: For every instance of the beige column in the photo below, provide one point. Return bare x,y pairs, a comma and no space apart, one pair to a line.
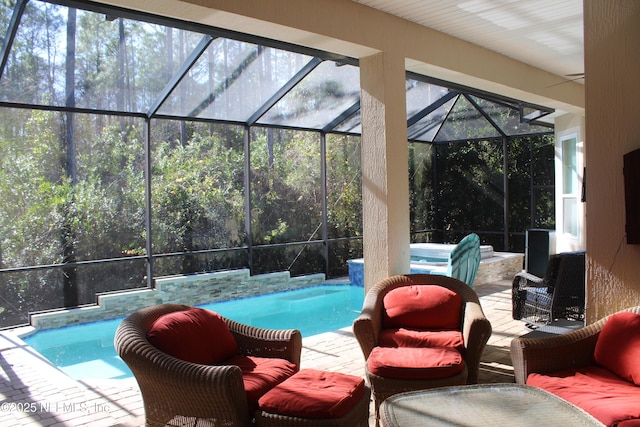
385,182
612,90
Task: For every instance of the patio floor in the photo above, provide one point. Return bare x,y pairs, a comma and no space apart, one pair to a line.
35,393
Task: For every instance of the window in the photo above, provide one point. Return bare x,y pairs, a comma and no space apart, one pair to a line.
570,185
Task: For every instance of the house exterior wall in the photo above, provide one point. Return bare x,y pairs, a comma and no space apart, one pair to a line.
612,70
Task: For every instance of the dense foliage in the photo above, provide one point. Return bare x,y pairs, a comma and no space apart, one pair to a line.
459,188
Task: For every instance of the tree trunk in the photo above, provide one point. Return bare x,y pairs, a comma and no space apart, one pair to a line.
120,96
69,280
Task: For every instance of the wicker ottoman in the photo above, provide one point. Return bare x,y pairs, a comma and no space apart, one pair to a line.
316,398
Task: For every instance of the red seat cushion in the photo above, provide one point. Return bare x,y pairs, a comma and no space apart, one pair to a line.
403,337
596,390
422,307
195,335
415,363
314,394
261,374
618,346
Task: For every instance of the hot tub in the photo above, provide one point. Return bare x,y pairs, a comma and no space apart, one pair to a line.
442,251
426,258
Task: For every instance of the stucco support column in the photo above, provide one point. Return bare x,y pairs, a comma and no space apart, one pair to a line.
385,181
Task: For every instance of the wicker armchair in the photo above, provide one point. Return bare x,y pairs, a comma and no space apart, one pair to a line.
559,295
558,353
177,392
475,328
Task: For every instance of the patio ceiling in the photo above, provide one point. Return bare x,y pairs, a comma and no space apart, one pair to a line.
547,34
240,79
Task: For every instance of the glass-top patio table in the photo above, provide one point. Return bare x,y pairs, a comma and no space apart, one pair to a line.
481,406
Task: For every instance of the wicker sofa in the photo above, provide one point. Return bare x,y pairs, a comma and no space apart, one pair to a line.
596,368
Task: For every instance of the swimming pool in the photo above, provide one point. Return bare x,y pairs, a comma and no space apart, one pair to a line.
86,351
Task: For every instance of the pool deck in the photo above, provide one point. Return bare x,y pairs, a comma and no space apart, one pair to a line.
36,393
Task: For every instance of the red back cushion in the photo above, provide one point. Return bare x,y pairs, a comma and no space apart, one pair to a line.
618,346
422,307
195,335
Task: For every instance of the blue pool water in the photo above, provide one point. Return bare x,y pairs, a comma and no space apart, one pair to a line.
86,351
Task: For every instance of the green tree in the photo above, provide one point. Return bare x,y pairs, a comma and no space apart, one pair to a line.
197,194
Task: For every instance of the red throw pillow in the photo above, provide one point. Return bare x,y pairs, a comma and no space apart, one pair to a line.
618,346
195,335
415,363
422,307
314,394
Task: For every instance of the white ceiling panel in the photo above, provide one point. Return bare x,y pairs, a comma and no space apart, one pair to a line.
547,34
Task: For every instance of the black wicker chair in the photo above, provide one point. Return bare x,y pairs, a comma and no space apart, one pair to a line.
559,295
